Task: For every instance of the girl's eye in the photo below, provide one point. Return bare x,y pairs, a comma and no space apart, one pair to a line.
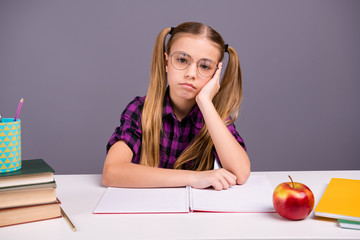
182,60
206,65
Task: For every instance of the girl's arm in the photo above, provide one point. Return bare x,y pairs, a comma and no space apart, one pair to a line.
119,171
231,154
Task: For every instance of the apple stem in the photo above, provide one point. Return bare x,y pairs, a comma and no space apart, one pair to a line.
292,182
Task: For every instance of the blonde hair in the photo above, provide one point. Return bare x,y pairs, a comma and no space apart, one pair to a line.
198,155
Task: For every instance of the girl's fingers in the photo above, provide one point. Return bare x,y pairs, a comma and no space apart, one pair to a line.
226,179
219,179
231,178
218,71
225,184
217,185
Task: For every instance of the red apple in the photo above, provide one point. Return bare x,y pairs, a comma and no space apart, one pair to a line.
293,200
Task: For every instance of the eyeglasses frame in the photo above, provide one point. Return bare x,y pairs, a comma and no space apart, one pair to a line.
192,60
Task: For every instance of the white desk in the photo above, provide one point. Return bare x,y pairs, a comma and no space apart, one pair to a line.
79,195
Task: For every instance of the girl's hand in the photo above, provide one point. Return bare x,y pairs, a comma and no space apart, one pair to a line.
211,88
219,179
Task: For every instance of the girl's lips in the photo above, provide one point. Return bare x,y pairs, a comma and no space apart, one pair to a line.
188,85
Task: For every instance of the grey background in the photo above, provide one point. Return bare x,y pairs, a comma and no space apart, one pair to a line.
78,63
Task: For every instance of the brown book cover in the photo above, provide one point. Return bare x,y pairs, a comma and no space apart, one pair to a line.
19,215
27,197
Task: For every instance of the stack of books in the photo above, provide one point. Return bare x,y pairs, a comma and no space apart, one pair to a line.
341,200
29,194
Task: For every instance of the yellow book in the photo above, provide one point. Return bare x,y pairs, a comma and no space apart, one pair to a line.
341,200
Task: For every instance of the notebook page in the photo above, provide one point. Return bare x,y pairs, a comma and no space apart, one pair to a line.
253,196
143,200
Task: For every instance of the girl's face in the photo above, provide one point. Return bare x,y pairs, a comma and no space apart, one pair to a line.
186,84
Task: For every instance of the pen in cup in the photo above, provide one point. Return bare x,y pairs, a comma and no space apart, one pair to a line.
19,108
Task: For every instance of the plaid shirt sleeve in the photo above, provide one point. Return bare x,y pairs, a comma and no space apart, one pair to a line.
238,138
129,130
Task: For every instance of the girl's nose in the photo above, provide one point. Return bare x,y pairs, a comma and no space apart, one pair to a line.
191,71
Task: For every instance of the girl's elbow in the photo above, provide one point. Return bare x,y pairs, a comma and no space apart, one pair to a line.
243,176
108,178
242,179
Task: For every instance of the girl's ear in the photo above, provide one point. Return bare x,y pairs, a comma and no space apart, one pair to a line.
166,61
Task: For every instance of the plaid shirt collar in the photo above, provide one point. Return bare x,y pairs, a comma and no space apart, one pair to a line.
195,115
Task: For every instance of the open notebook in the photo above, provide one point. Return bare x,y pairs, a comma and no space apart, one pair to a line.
253,196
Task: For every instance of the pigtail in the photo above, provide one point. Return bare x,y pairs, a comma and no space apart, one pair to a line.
228,100
151,121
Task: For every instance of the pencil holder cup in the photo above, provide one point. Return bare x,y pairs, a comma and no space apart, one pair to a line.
10,145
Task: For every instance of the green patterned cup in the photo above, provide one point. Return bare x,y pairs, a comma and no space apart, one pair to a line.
10,145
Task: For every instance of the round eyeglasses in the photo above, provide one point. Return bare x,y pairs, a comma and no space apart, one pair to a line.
182,60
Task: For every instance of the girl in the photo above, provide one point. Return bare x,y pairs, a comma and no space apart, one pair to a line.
171,136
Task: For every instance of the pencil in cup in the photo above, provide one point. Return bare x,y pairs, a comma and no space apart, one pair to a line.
19,109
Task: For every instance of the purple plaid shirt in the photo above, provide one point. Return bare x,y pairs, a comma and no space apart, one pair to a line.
176,136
